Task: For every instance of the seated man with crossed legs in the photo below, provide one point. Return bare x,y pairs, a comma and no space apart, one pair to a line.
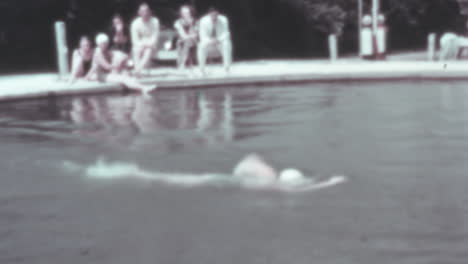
214,33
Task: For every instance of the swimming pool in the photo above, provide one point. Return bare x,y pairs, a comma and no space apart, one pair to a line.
402,146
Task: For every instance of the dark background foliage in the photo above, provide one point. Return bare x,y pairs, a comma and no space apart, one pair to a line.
261,28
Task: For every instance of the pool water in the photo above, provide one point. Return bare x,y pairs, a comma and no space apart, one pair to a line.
403,147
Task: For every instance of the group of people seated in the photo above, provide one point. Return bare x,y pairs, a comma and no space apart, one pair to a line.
122,58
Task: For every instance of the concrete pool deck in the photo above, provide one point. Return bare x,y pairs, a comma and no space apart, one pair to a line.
13,87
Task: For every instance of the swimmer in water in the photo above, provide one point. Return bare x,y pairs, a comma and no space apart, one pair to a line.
251,173
254,172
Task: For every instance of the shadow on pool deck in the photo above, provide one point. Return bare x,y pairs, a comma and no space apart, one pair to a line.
256,72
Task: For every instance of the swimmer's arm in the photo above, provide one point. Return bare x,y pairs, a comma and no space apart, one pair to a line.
314,186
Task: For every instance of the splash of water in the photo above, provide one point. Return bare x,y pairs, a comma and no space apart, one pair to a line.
117,170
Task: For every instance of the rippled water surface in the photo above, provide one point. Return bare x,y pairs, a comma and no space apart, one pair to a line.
403,147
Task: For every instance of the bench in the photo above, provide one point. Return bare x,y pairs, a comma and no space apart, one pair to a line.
166,49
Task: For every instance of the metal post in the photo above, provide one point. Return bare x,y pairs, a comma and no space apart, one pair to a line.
431,46
333,47
62,49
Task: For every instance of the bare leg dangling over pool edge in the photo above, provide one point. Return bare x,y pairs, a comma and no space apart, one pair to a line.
130,82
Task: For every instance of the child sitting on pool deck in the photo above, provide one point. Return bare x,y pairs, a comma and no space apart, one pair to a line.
110,66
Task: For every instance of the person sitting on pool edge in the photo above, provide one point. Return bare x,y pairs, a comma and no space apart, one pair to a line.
110,66
214,33
187,37
144,33
118,33
81,59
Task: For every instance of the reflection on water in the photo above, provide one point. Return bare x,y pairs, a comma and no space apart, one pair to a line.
124,118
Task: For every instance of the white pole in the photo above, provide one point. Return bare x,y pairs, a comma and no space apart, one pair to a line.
375,14
431,46
333,47
360,13
62,49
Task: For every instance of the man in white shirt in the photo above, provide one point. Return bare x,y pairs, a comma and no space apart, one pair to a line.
214,33
144,33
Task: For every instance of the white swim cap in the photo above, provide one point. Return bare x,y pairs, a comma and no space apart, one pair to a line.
367,20
291,177
101,38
